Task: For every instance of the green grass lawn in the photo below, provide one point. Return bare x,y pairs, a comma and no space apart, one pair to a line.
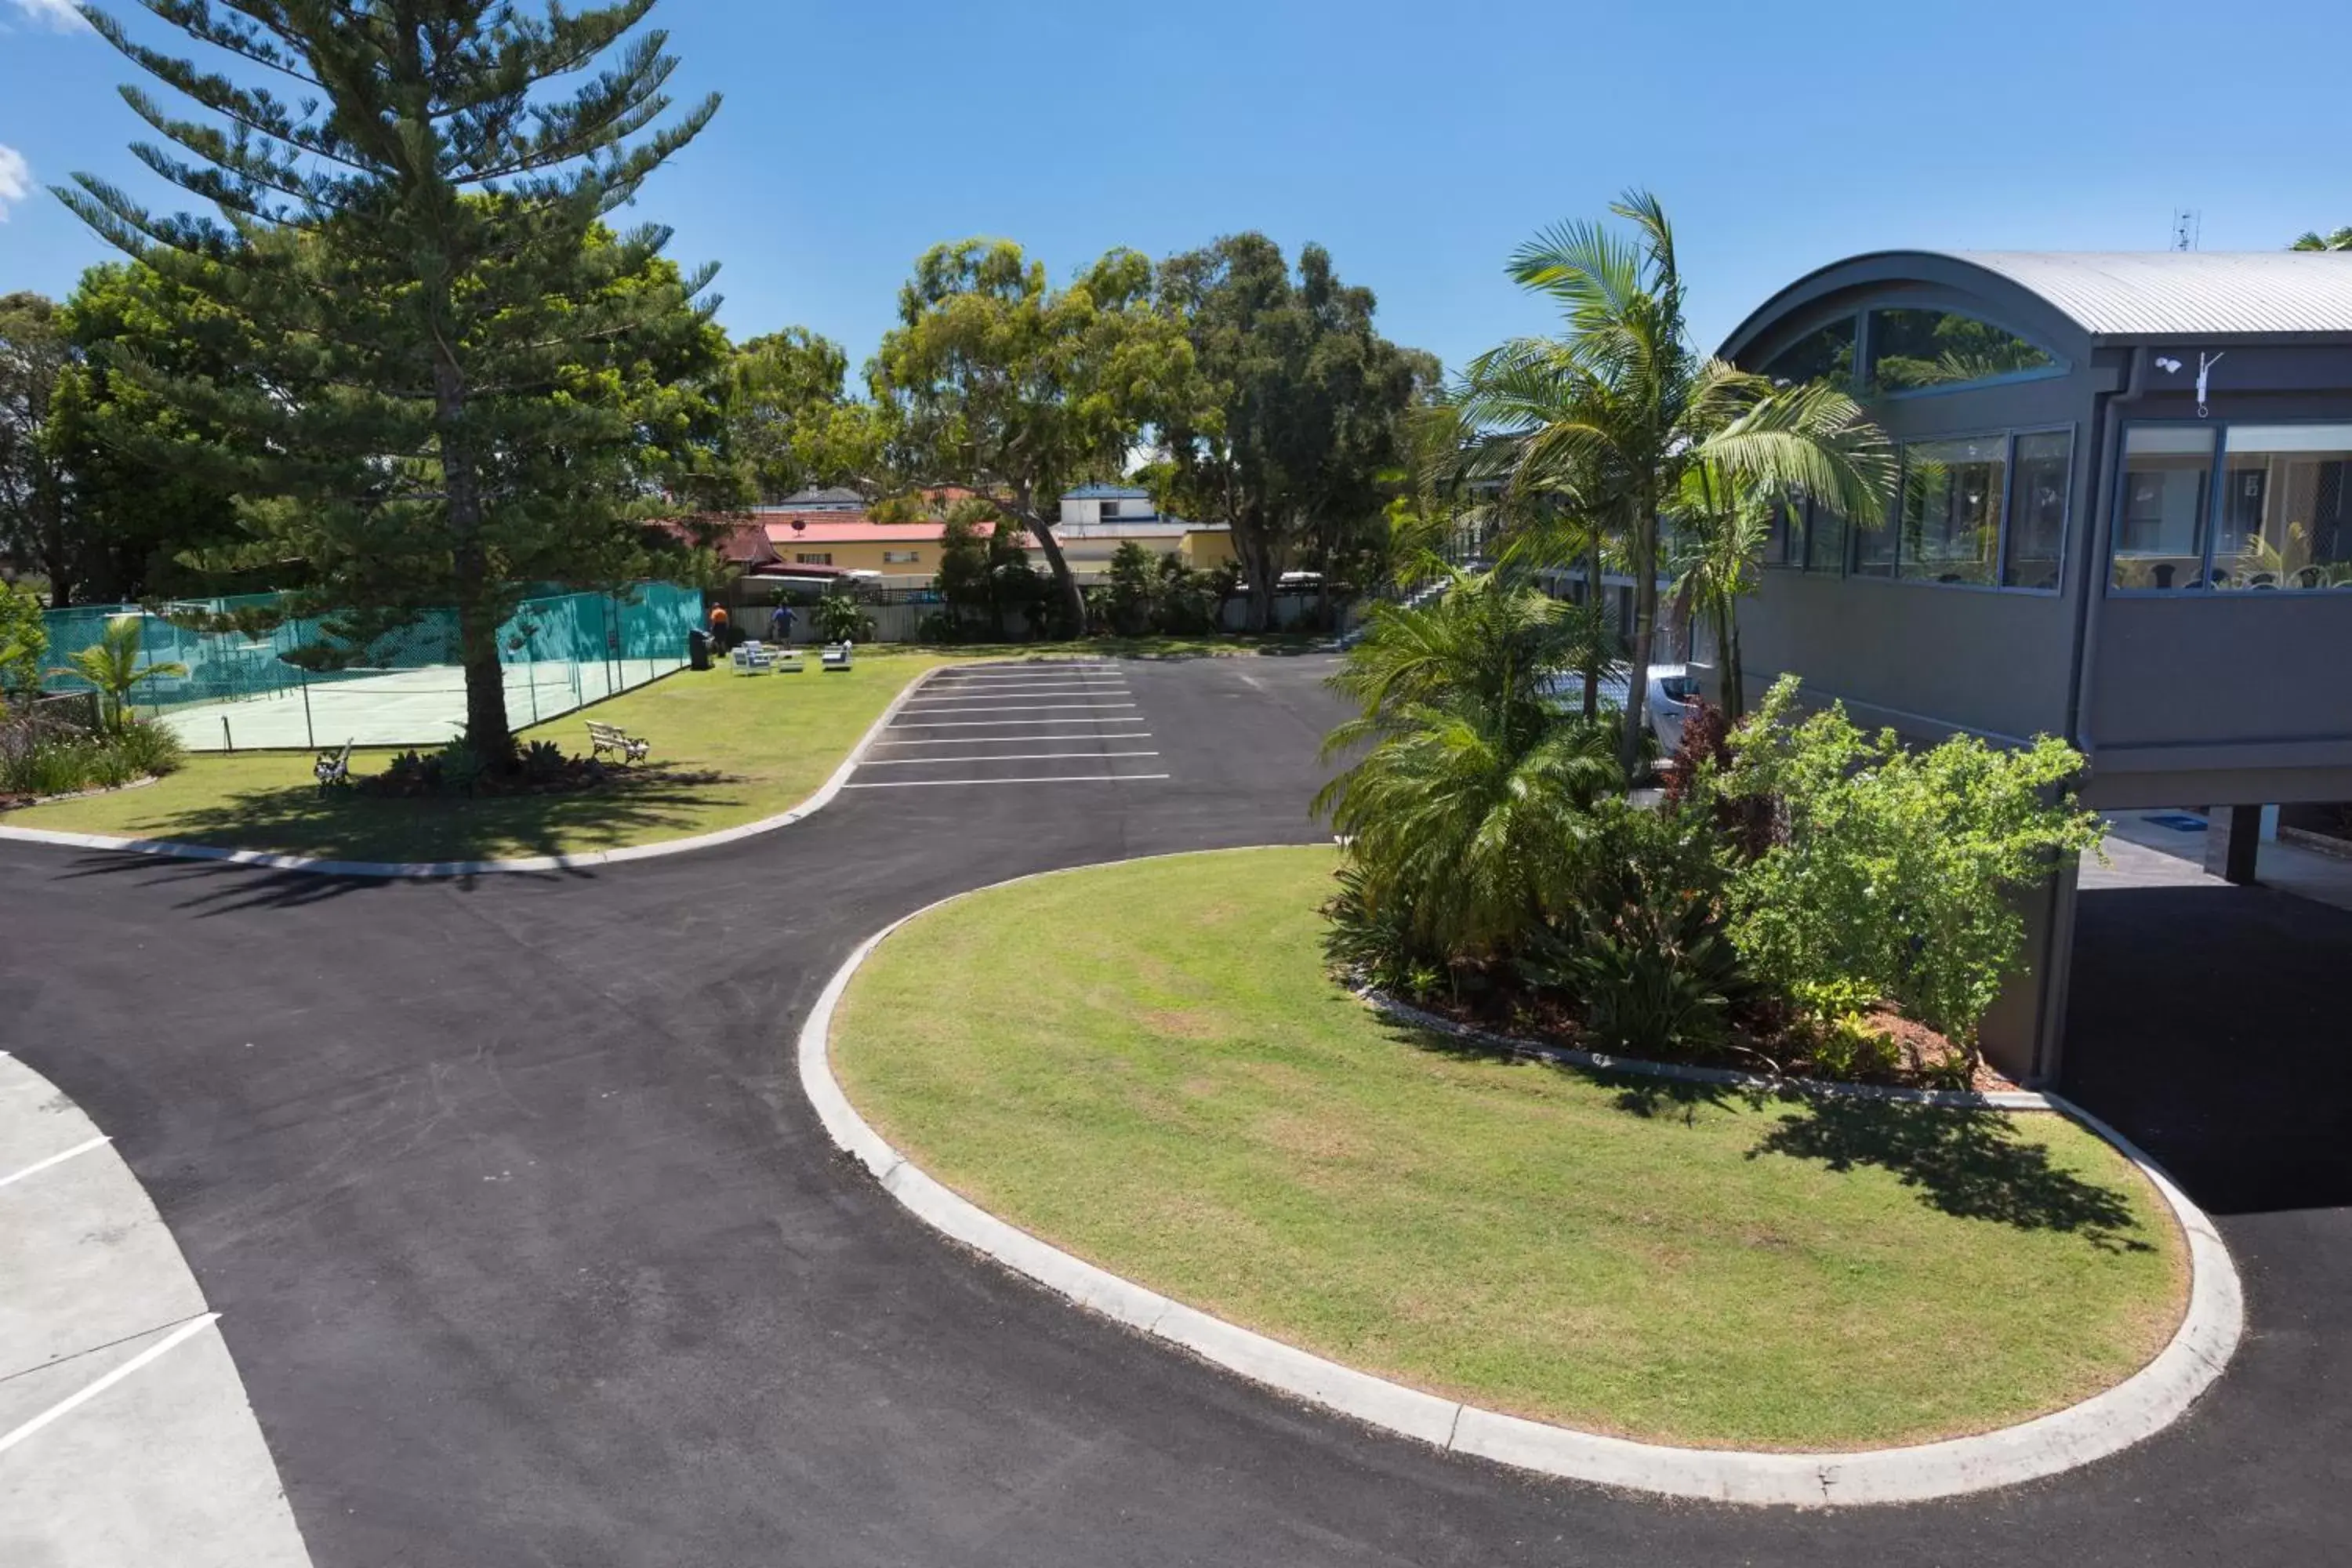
1148,1066
726,749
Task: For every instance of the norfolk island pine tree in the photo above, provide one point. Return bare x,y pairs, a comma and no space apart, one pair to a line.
471,380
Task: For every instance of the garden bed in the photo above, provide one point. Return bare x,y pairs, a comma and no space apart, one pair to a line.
1184,1096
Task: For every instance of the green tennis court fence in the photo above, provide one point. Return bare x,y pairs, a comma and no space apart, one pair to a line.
236,690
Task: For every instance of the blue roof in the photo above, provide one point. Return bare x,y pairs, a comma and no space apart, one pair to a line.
1107,493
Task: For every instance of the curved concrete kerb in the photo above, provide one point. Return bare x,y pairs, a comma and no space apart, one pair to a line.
2137,1408
427,869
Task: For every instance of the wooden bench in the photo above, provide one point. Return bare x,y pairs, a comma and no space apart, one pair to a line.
332,768
834,656
604,738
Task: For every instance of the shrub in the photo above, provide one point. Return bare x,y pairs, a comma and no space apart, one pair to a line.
1374,941
1640,946
150,750
24,640
40,756
1897,867
836,618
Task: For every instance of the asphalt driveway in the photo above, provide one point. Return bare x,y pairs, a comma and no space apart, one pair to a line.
529,1252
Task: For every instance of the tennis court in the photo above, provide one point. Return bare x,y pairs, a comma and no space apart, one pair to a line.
236,690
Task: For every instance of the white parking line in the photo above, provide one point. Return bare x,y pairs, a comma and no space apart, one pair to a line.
1017,739
186,1331
96,1142
1027,707
1012,757
1001,723
1061,778
1036,691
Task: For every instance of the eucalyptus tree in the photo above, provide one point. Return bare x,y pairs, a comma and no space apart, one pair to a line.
1619,407
467,384
1295,421
999,382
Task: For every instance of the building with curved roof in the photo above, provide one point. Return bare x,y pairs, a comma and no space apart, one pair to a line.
2125,517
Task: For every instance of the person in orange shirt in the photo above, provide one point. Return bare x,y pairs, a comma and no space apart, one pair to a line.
719,628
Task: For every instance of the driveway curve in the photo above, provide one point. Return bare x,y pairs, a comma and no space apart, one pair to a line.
529,1251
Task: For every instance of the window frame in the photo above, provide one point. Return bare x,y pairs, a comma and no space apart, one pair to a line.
2008,436
2216,504
1865,355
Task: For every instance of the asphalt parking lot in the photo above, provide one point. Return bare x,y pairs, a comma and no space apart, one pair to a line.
1053,723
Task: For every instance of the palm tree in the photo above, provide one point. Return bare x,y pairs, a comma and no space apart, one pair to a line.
1618,408
112,665
1463,813
2313,240
1727,523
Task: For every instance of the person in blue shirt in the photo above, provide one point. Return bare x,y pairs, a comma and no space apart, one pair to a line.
780,623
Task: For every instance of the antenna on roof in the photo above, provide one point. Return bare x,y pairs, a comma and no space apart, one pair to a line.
2188,228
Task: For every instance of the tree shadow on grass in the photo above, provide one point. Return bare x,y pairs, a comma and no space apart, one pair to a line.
1968,1163
656,799
1646,1095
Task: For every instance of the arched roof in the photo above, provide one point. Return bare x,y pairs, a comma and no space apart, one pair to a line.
2108,296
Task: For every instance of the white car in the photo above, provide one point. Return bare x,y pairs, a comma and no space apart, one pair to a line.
1673,689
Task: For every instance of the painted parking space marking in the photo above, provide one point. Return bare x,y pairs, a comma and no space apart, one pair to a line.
1013,740
1028,708
975,784
1008,757
58,1158
1002,723
96,1387
1028,692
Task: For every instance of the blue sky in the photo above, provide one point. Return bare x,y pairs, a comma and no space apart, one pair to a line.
1418,142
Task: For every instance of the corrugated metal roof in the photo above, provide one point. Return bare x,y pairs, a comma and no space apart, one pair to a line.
2169,293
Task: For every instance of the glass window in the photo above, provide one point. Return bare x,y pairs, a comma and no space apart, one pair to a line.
2284,522
899,557
1826,354
2037,510
1785,545
1824,539
2161,526
1917,350
813,557
1951,509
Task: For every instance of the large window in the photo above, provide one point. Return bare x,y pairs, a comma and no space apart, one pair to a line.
2284,522
2161,526
1937,351
1952,497
2037,508
1825,354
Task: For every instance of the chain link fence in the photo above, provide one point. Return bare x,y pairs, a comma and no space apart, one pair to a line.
238,691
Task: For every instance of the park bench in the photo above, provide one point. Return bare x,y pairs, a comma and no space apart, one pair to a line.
604,738
332,768
834,656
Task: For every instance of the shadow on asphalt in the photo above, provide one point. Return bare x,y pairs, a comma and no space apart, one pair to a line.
2207,1025
218,888
653,798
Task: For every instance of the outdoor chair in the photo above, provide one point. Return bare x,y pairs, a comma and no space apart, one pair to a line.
835,655
332,768
754,657
604,738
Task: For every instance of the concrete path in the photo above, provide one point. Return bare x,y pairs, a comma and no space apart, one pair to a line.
531,1251
125,1436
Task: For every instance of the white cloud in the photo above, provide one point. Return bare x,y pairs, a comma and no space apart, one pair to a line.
58,13
15,178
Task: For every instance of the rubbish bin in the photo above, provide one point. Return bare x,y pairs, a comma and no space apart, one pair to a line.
697,649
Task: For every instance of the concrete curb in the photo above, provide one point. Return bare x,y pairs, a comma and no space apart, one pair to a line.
1950,1099
422,870
2138,1407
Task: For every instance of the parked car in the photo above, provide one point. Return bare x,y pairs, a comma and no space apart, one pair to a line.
1671,689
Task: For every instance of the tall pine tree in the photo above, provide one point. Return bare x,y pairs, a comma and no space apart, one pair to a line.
451,334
